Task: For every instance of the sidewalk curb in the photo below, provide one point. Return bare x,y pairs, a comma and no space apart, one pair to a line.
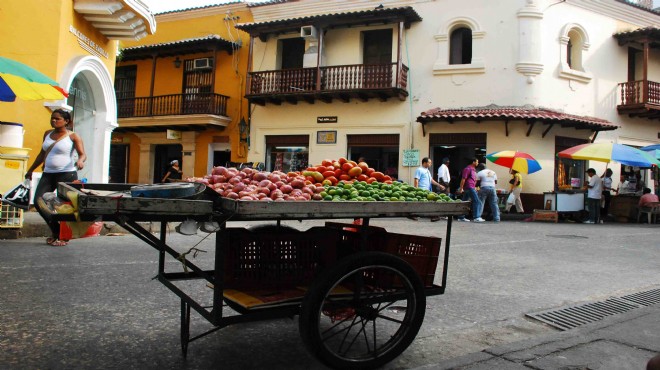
518,354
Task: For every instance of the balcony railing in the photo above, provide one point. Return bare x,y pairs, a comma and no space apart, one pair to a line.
637,93
175,104
354,78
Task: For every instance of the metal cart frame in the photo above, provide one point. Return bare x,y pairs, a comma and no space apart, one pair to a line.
110,203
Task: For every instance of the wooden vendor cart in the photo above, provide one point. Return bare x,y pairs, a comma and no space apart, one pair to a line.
360,291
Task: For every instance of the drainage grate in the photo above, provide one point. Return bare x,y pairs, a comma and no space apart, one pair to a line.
573,316
647,298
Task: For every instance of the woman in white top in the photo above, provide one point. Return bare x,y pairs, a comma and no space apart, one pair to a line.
59,165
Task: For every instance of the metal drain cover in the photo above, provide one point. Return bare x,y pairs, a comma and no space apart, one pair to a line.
571,317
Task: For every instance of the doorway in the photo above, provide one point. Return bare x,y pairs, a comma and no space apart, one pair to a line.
164,154
460,149
118,172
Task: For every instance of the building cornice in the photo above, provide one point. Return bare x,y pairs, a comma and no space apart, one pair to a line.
618,11
203,12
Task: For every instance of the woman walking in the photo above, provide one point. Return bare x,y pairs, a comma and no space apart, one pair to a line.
59,165
516,189
173,173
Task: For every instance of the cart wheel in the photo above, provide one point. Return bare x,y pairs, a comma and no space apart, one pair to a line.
363,312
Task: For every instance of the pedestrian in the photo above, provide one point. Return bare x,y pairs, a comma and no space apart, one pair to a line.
173,172
607,193
594,193
59,165
468,190
424,180
514,192
443,175
488,180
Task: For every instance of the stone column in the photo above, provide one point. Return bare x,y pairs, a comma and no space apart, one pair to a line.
188,155
530,48
146,170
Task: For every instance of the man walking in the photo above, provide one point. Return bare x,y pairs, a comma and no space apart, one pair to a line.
443,175
424,180
488,179
469,191
594,193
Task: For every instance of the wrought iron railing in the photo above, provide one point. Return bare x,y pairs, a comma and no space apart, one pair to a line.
174,104
334,78
639,92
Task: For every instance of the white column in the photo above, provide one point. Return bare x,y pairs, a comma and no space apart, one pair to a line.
530,47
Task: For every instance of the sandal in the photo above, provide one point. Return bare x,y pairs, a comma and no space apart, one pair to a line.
50,241
59,243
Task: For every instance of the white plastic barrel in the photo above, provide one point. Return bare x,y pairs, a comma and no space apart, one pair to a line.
11,134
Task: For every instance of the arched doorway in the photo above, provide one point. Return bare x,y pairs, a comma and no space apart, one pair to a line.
81,99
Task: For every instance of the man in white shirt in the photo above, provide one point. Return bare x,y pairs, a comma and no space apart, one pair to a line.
443,175
594,193
487,180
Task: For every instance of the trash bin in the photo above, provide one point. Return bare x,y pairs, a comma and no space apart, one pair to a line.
13,165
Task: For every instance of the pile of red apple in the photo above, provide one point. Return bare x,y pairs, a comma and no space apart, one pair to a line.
250,184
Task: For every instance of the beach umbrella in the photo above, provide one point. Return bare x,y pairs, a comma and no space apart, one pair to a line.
608,152
654,150
519,161
24,82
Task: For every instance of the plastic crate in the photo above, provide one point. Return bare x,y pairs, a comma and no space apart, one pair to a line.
10,216
421,252
273,258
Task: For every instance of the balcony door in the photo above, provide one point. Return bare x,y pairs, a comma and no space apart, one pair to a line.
125,90
377,59
197,87
291,78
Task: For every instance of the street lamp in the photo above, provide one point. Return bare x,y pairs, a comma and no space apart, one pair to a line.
177,62
244,130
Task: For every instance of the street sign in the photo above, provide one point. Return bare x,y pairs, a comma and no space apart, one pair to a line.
410,157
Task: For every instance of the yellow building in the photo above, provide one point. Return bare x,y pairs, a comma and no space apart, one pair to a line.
180,95
73,42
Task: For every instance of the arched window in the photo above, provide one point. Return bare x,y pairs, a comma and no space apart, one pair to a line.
574,42
460,46
574,50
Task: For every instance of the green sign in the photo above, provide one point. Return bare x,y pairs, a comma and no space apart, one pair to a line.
410,157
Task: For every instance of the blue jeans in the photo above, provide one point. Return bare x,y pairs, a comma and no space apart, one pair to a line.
488,194
471,194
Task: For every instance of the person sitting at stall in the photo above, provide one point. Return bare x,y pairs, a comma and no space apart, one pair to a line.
624,186
646,198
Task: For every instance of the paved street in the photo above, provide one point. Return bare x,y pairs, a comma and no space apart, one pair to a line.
94,304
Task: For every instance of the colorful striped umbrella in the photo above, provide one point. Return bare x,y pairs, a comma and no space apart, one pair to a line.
519,161
19,80
654,150
607,152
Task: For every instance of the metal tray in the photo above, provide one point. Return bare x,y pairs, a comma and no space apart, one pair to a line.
241,210
113,200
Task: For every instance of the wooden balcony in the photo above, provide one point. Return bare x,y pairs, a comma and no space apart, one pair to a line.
357,81
640,99
173,105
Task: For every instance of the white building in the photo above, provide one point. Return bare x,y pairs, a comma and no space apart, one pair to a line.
451,79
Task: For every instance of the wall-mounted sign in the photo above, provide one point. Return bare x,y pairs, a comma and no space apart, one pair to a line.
326,137
173,135
87,43
326,119
410,157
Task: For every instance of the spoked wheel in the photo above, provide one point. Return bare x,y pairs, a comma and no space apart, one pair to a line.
363,312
